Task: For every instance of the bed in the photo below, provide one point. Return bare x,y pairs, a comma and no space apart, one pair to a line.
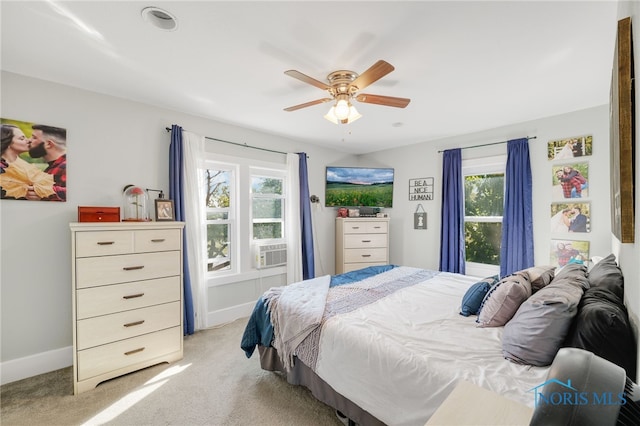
388,344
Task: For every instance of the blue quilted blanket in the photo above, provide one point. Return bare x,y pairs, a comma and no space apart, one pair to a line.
259,330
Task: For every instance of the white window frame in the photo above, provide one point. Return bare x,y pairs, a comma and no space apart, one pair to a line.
478,166
268,173
232,220
241,232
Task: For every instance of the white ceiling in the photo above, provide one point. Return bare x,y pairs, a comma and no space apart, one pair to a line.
467,66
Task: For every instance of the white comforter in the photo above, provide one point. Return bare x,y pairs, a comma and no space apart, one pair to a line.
296,310
400,357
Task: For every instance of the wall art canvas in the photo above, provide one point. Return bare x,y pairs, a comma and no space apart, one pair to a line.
570,181
33,164
568,251
566,149
570,217
622,140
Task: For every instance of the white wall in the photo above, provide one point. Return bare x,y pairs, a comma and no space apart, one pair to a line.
112,142
421,248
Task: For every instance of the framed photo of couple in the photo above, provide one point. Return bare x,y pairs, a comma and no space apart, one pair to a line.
570,181
564,252
164,210
566,149
570,217
33,161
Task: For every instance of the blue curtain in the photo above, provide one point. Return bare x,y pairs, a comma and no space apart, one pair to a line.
308,263
176,193
516,250
452,256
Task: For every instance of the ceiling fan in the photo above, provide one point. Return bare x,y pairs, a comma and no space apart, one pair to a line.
344,86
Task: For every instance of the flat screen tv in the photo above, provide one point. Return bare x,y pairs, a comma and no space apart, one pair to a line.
359,187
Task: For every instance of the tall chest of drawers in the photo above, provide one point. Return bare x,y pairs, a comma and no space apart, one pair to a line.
361,242
126,298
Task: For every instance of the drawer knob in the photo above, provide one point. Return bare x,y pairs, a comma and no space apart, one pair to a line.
366,255
132,268
135,351
157,240
366,241
105,243
355,227
132,324
133,296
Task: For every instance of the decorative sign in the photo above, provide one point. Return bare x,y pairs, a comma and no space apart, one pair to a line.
421,189
420,218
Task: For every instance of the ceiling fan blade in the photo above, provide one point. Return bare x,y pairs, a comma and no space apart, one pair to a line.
309,80
383,100
308,104
373,74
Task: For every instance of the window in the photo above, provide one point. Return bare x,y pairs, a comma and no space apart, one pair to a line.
220,217
483,209
245,207
267,206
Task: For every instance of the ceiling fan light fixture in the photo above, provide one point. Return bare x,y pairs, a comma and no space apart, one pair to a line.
331,115
352,115
341,110
344,86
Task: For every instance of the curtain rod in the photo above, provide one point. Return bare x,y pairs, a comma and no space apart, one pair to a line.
240,144
487,144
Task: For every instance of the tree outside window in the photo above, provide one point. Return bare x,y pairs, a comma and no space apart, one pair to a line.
267,207
483,208
219,203
484,203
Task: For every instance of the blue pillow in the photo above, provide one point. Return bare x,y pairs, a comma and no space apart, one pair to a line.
472,299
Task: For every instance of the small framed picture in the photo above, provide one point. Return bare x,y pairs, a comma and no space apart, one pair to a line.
567,149
569,251
164,210
570,217
570,181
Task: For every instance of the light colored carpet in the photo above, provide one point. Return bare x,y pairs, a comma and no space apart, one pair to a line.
215,384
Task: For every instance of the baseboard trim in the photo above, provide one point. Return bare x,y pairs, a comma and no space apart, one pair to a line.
226,315
29,366
32,365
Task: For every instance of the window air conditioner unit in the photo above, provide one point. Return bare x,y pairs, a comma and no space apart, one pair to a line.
270,255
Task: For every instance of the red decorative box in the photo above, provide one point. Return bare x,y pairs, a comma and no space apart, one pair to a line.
98,214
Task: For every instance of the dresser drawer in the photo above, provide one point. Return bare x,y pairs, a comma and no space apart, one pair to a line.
365,240
103,243
156,240
366,227
109,299
102,359
123,325
96,271
365,255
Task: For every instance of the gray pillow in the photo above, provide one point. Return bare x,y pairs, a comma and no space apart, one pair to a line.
538,329
607,274
503,300
540,276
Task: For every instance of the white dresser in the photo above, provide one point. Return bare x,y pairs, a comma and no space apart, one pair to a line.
126,298
361,242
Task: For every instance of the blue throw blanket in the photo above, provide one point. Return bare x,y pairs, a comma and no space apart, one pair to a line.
259,330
